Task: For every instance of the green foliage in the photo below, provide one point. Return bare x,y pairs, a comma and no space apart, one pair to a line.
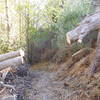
69,17
6,47
37,25
60,18
3,47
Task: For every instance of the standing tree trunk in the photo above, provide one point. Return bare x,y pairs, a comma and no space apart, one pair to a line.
20,25
27,33
95,66
20,30
7,19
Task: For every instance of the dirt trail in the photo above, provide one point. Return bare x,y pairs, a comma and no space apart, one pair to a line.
64,84
45,88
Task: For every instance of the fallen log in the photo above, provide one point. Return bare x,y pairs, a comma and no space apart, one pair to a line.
14,62
87,26
10,55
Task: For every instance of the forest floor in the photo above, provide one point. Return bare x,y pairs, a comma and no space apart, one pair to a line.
50,86
57,82
49,81
45,88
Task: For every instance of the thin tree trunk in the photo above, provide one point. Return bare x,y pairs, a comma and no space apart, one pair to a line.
20,25
7,19
27,39
27,34
95,66
20,31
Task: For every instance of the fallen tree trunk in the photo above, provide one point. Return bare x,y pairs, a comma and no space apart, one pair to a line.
89,24
14,62
11,55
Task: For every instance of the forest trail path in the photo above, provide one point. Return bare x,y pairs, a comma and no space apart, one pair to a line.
43,87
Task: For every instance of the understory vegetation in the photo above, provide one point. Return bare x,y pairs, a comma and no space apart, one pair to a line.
50,49
40,26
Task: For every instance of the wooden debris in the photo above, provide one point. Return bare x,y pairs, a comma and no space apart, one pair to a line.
2,84
4,72
78,59
11,55
81,54
14,62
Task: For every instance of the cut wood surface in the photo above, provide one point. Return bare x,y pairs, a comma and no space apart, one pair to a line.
10,55
89,24
14,62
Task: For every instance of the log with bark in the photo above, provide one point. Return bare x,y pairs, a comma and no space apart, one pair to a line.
10,61
87,26
8,64
10,55
14,62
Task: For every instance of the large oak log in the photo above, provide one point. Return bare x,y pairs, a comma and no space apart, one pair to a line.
10,55
89,24
14,62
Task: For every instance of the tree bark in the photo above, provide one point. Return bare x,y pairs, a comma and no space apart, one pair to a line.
89,24
95,65
11,55
14,62
27,33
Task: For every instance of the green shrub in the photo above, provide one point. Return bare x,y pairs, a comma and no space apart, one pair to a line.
70,16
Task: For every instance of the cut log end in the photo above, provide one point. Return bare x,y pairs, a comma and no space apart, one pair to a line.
12,59
68,39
